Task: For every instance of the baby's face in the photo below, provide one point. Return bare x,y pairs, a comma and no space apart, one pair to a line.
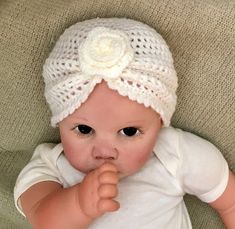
109,128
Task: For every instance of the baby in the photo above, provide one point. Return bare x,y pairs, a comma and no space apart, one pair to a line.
110,84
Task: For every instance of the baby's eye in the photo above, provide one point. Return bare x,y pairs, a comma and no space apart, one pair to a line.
84,129
130,131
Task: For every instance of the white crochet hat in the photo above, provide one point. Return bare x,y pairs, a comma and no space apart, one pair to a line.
130,56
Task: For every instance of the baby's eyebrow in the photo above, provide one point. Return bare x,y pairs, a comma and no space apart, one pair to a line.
76,118
134,121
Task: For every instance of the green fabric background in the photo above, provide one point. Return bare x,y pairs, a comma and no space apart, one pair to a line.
200,34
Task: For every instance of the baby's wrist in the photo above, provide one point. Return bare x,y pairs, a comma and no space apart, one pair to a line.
83,220
88,210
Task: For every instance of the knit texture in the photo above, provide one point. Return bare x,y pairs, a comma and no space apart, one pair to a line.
130,56
200,35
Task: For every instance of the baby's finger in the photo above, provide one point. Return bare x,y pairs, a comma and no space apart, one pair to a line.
108,205
108,191
108,177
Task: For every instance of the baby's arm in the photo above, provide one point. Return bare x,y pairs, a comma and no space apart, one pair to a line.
225,204
48,205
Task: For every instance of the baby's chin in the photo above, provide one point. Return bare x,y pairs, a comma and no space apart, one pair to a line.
122,175
125,173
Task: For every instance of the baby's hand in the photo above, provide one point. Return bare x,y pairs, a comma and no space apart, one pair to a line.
98,190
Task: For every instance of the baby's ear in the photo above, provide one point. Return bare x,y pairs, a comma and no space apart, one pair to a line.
160,119
161,122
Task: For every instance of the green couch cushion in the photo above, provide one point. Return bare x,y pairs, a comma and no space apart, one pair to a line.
200,34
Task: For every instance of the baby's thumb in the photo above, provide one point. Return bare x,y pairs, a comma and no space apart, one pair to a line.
108,167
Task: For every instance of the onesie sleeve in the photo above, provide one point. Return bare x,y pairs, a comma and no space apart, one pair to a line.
41,167
204,170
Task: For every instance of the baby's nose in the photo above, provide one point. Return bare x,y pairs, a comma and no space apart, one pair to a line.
103,153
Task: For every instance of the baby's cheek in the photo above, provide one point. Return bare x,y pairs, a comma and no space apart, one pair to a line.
141,160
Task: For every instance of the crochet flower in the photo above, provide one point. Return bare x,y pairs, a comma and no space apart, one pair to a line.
105,52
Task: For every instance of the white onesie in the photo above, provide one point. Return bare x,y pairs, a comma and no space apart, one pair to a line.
153,197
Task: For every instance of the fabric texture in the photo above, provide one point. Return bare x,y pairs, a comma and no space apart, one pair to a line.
140,193
200,35
130,56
